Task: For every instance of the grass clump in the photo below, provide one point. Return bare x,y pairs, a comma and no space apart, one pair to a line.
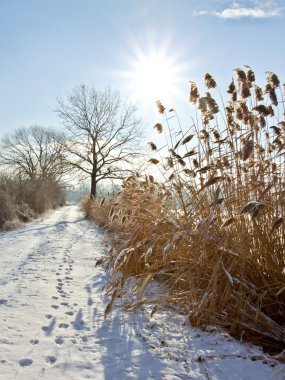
210,227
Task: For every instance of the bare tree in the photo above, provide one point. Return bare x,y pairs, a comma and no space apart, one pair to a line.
34,153
103,133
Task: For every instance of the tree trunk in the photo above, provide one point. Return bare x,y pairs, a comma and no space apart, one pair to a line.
93,186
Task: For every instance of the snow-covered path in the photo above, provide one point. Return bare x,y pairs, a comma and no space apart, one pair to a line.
52,317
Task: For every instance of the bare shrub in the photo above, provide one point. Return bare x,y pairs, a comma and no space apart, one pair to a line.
7,209
23,200
41,195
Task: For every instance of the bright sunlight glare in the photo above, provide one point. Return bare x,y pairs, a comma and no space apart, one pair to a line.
154,76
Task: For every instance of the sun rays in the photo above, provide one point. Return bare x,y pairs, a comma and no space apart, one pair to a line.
154,74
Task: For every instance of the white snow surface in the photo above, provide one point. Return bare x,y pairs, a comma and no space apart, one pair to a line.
52,317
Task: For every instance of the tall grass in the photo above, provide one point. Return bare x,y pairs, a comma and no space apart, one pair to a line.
211,229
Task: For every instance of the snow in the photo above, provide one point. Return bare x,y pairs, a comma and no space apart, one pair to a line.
52,317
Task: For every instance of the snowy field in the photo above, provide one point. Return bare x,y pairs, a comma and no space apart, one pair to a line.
53,327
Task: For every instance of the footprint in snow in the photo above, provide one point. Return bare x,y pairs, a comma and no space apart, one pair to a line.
64,303
50,359
25,362
34,341
54,297
55,306
63,325
90,301
69,312
48,316
59,340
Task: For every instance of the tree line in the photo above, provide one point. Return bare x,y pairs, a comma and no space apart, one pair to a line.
100,140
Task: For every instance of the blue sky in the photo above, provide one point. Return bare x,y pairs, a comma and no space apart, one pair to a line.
48,47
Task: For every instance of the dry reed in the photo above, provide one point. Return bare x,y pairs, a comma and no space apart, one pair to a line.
213,231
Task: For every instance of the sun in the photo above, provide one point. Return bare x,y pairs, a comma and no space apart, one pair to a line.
153,76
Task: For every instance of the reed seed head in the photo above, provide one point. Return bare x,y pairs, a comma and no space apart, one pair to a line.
160,107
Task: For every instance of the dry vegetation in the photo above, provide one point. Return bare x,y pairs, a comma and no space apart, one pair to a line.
212,231
32,172
22,200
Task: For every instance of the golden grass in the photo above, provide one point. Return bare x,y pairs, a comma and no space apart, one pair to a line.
213,231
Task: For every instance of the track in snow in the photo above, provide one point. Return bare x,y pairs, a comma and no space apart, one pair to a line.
52,317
